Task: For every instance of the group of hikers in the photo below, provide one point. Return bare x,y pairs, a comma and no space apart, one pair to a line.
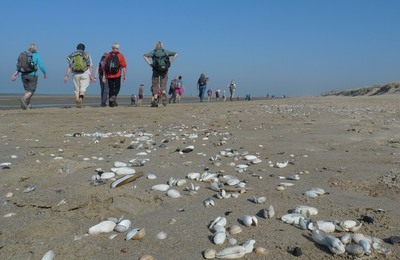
111,69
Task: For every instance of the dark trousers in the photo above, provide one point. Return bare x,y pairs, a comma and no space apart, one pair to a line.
114,85
104,91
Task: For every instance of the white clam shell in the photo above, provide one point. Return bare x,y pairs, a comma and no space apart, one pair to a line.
50,255
103,227
242,166
123,170
268,213
256,161
161,187
161,235
151,176
234,252
249,220
305,210
180,182
219,237
292,218
193,175
233,182
250,157
249,245
218,221
326,226
281,164
173,193
120,164
333,243
107,175
235,229
123,226
259,200
209,253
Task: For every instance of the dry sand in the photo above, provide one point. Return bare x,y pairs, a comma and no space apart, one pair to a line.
349,146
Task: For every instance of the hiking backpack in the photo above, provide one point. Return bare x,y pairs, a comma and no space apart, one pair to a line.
25,62
79,61
161,60
112,64
203,80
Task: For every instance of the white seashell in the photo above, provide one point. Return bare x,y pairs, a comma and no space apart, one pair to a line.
218,221
270,212
256,161
233,182
107,175
121,180
161,235
173,193
355,250
305,210
366,246
333,243
242,166
8,215
209,202
345,238
141,154
123,170
151,176
292,218
349,225
103,227
161,187
136,234
235,229
295,177
326,226
123,226
120,164
231,253
112,236
180,182
209,253
249,220
259,200
171,182
219,228
216,186
219,237
232,241
249,245
281,164
250,157
50,255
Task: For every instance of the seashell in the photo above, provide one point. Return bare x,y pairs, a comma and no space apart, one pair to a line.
103,227
326,226
188,149
173,193
9,195
345,238
304,223
180,182
256,161
280,188
147,257
161,187
112,236
8,215
161,235
141,154
136,234
219,228
349,225
30,189
249,220
219,237
249,245
120,164
207,176
209,202
216,186
270,213
209,253
286,184
366,246
259,200
357,237
233,182
151,176
295,177
355,250
242,166
232,241
260,250
333,243
123,170
292,218
281,164
123,226
250,157
126,179
235,229
218,221
193,175
234,252
305,210
107,175
50,255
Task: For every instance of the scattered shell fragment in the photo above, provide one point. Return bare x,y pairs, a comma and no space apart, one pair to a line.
173,193
126,179
260,250
107,175
209,253
249,245
8,215
281,164
123,170
49,255
103,227
161,187
136,234
259,200
209,202
292,218
333,243
120,164
249,220
151,176
161,235
235,229
305,210
268,213
231,253
123,226
314,192
30,189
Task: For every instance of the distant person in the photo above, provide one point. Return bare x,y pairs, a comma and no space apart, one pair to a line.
114,69
160,65
133,99
103,85
171,91
209,94
180,89
224,96
232,88
202,86
217,94
140,95
27,65
80,65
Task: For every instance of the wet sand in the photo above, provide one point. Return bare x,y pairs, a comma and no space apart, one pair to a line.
347,146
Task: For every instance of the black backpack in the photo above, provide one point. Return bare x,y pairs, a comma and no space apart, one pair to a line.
161,60
25,62
112,63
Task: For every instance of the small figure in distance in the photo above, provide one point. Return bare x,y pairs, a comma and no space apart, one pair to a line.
209,94
28,63
80,65
232,88
133,100
103,85
160,65
180,89
217,94
202,86
140,95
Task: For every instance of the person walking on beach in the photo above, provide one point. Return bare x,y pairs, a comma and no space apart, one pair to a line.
232,88
114,68
28,63
80,65
179,89
202,86
160,64
133,99
217,94
209,94
140,95
103,85
224,95
171,91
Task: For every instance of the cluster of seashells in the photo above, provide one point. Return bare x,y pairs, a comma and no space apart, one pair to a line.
353,243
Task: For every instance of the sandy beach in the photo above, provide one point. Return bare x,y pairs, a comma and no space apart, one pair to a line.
347,146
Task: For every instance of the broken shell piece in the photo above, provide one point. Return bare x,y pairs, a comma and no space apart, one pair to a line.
218,221
50,255
249,220
305,210
209,202
231,253
103,227
249,245
136,234
120,164
30,189
259,200
280,188
235,229
209,253
268,213
123,226
250,157
123,170
173,193
349,225
281,164
292,218
161,235
193,175
314,192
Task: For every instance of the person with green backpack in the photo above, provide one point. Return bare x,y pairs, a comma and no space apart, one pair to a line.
80,65
160,65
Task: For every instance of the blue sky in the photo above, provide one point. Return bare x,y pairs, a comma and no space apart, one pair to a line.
282,47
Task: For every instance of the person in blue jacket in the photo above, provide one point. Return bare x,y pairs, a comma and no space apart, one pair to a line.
30,79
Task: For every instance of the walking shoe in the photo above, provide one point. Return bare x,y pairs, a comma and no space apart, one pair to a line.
29,106
164,99
22,103
79,103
